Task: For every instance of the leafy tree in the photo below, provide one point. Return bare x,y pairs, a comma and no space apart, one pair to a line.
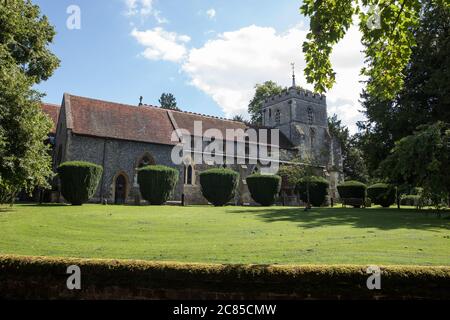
291,173
168,101
388,45
302,169
353,162
239,118
422,159
424,99
25,60
375,140
263,91
355,166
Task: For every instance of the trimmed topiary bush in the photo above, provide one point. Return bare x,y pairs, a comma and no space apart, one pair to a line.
79,180
318,190
352,189
219,185
157,183
352,193
264,188
382,194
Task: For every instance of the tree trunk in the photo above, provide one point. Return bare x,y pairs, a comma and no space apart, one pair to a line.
308,204
448,200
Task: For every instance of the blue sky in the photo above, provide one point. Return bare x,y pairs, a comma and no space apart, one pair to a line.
209,54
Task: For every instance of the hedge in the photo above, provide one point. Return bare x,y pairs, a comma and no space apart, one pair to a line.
352,189
79,180
219,185
45,278
157,183
264,188
318,190
382,194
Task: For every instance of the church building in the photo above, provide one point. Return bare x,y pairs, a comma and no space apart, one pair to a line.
122,138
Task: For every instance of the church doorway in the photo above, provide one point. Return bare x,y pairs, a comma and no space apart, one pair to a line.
120,189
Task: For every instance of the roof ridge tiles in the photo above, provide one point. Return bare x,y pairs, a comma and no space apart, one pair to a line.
156,107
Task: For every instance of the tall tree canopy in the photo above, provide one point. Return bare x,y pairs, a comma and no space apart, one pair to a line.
422,159
262,92
25,60
353,162
387,34
424,98
239,118
168,101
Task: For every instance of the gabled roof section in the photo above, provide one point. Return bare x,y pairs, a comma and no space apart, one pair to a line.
52,110
186,120
284,142
150,124
104,119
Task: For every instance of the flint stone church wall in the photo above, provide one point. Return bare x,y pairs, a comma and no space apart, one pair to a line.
120,157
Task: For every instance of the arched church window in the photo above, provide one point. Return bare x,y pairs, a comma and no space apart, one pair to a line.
312,136
310,115
247,148
146,160
277,117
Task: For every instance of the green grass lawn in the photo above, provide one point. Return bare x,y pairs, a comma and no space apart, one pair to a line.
282,235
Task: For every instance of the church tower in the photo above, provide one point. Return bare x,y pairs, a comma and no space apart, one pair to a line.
301,116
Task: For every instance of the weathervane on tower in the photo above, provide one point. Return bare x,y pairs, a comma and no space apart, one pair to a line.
293,74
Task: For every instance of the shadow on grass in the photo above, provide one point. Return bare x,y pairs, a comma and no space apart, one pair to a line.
44,205
384,219
6,209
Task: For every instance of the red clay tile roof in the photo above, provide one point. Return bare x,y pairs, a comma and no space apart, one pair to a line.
185,120
113,120
151,124
52,110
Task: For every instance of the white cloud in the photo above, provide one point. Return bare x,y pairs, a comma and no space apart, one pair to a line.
162,45
144,8
227,67
131,6
141,7
159,18
211,13
347,60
